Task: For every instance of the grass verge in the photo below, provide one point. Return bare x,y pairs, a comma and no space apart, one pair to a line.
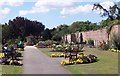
107,64
11,69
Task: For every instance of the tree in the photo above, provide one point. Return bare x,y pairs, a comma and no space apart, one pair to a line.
60,31
47,34
5,32
82,26
112,13
22,27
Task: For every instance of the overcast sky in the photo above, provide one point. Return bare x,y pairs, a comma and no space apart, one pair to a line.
52,12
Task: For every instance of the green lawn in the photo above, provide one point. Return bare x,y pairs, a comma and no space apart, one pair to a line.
48,51
107,64
11,69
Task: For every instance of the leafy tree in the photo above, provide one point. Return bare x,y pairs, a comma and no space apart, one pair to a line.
5,32
83,26
60,31
46,34
112,13
22,27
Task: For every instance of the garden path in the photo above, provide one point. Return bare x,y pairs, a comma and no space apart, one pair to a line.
36,62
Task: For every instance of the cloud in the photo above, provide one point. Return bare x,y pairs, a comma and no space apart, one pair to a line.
4,12
54,3
33,10
4,4
14,2
107,4
67,7
85,8
75,10
42,6
11,2
22,13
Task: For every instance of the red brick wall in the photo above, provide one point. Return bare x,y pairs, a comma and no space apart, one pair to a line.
97,35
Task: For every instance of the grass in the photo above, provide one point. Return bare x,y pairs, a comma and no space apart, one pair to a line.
107,64
47,51
11,69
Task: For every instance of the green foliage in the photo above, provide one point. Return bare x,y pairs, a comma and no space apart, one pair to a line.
115,40
6,32
22,27
105,46
104,23
46,34
34,41
12,41
91,42
58,32
112,13
83,26
49,42
56,37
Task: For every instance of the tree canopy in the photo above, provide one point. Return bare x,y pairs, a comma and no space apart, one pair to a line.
112,13
22,27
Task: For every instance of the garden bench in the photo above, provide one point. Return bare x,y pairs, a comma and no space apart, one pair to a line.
73,53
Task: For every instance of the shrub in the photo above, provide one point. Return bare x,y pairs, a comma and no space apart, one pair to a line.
91,42
104,45
49,42
115,40
12,41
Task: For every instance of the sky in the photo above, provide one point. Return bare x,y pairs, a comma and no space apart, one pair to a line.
53,13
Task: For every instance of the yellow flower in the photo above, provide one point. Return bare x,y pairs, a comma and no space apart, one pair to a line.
62,62
62,55
20,62
66,62
79,61
20,49
2,55
84,55
53,55
117,50
11,62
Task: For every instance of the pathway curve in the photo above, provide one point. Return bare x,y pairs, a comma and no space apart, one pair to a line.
36,62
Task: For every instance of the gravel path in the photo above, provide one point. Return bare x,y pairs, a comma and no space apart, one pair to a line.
36,62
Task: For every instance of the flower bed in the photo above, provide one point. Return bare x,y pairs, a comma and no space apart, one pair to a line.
59,55
8,61
5,61
81,60
113,50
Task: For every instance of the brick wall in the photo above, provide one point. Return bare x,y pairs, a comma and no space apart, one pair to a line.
97,35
